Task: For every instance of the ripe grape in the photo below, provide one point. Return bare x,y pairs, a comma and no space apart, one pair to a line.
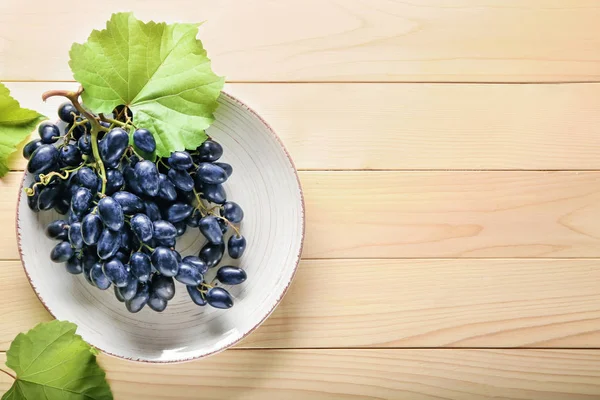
219,298
113,146
142,227
30,147
214,193
147,176
91,228
108,243
114,181
211,230
181,228
177,212
152,210
209,151
165,261
70,155
233,212
98,278
188,274
144,140
48,196
212,254
166,189
211,173
181,179
139,300
231,275
74,265
43,160
180,160
81,201
164,230
141,266
116,272
111,213
128,291
236,246
57,230
226,167
67,112
163,286
130,203
61,252
85,144
75,236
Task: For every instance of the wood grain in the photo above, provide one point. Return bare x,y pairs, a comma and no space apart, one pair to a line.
333,40
415,126
362,374
428,214
402,303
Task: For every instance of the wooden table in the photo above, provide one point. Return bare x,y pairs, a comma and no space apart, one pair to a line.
450,157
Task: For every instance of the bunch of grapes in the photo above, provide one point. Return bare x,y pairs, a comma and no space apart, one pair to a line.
123,212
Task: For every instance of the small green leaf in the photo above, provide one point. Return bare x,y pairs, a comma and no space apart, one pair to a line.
16,124
54,363
160,71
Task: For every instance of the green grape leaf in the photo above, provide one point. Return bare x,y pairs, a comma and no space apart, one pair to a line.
54,363
16,124
160,71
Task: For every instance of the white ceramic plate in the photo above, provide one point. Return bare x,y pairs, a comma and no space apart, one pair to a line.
264,183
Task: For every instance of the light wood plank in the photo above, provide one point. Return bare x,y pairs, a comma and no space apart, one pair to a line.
362,374
415,126
429,214
402,303
333,40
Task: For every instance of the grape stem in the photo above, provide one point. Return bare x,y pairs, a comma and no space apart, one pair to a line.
9,374
96,127
237,231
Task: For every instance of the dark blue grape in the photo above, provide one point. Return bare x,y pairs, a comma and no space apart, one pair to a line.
116,272
72,218
181,228
209,151
70,155
181,179
43,160
196,296
233,212
49,133
140,266
131,181
152,210
75,235
219,298
71,190
164,230
113,146
210,173
142,227
31,147
139,300
98,278
199,264
147,176
166,189
133,160
214,193
128,291
236,246
114,181
188,274
91,228
165,261
85,144
212,254
209,226
108,244
144,140
111,213
194,219
62,204
130,203
67,112
180,160
177,212
49,195
226,167
81,201
163,286
74,266
88,179
156,303
61,252
231,275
